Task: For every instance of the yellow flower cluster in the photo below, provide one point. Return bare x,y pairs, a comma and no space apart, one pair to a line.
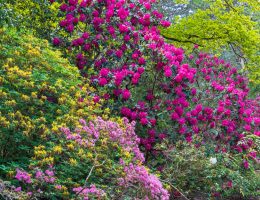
40,93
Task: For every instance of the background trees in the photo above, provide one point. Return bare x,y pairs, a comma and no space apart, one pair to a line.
224,27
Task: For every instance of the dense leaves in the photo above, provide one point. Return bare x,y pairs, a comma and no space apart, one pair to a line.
226,27
185,115
39,89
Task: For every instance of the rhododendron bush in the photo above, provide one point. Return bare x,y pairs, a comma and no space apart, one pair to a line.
82,163
171,96
121,45
117,45
134,118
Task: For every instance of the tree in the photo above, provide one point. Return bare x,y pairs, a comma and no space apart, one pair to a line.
225,27
34,15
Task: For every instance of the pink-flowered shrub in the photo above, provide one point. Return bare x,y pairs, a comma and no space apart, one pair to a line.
117,45
113,148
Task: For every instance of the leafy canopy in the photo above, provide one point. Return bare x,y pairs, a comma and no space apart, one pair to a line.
224,27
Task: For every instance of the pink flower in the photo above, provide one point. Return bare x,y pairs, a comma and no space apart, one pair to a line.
23,176
70,28
247,127
126,111
63,7
245,164
39,174
196,46
102,81
123,28
134,55
174,116
153,122
56,41
142,115
178,78
149,96
104,72
133,115
189,139
168,73
126,94
162,136
165,23
229,184
119,53
18,189
122,13
144,121
147,6
49,172
193,91
141,61
96,99
85,35
82,17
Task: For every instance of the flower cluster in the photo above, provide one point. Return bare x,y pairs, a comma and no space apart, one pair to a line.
225,111
23,176
147,78
94,147
133,52
88,192
136,174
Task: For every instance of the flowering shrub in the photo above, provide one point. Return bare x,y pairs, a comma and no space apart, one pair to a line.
221,108
8,191
146,80
39,92
128,68
117,45
82,161
121,51
206,174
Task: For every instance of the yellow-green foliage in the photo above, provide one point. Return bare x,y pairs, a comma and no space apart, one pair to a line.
39,92
73,161
37,15
224,25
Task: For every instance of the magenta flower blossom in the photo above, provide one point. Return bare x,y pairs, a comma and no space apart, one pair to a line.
23,176
126,94
56,41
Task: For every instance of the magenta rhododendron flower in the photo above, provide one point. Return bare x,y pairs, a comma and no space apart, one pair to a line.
246,164
126,94
56,41
23,176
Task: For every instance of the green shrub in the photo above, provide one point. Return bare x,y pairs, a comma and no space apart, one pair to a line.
39,91
197,171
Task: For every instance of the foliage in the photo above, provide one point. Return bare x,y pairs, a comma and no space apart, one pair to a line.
118,47
100,159
38,93
41,94
192,114
221,27
170,106
43,17
195,171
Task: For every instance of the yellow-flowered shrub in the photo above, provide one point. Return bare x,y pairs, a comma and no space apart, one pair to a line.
39,16
39,92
